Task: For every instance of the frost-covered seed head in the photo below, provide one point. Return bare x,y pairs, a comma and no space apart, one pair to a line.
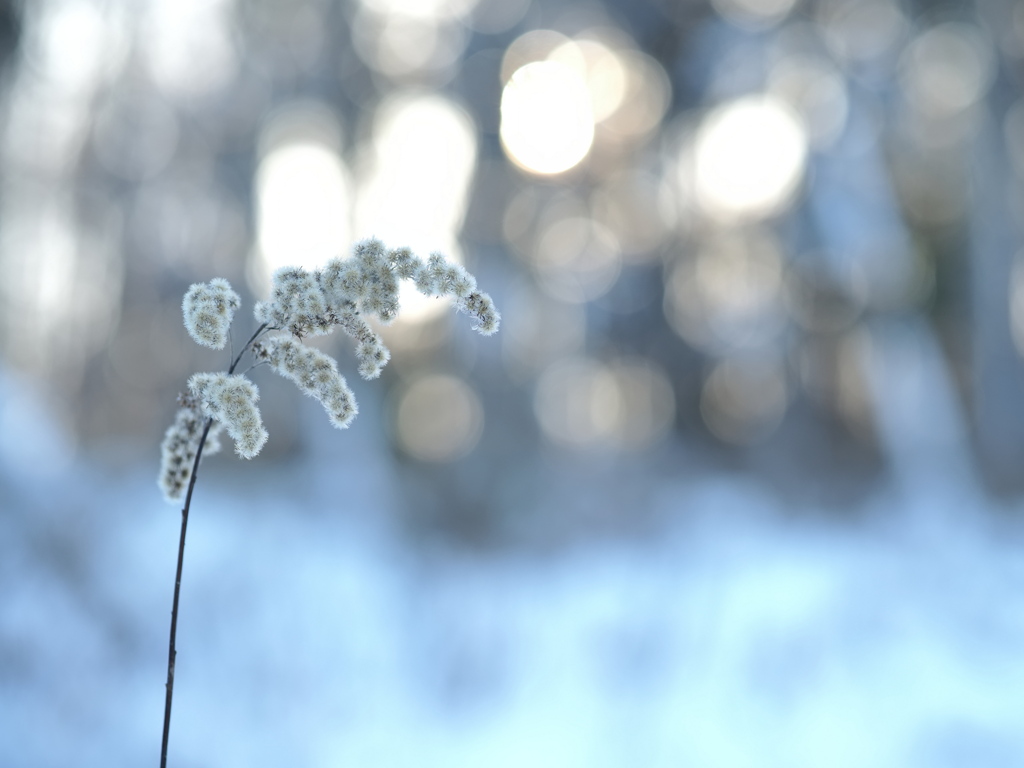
370,349
231,400
343,293
372,359
458,282
405,264
178,452
388,311
264,313
179,447
331,279
208,309
482,309
370,252
314,373
425,282
367,284
298,303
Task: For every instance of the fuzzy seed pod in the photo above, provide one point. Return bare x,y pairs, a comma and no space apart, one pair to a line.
314,373
179,447
370,349
231,400
482,309
299,304
208,309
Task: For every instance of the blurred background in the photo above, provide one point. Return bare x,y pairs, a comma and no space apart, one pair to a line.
738,483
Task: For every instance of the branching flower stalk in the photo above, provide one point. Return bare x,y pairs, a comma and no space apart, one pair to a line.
342,294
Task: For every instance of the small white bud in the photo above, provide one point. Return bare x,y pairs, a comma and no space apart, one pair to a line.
208,309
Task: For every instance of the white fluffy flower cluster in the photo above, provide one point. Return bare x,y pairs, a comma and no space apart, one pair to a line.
208,309
313,372
231,401
344,293
345,290
179,448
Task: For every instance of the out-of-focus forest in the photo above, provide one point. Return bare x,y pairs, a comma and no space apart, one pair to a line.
737,483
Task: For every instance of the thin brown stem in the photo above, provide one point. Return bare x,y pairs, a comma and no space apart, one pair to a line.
171,651
255,335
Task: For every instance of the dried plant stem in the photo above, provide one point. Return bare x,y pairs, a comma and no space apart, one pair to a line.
171,651
344,293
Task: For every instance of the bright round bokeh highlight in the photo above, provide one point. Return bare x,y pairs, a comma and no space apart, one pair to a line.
586,404
438,418
749,159
300,189
547,119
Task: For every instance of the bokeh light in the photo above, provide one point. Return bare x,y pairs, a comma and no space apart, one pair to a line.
584,404
1016,289
743,400
302,191
602,70
637,208
947,69
190,48
576,259
538,329
760,265
135,135
547,130
749,158
644,101
438,418
815,90
547,122
754,13
413,182
427,9
407,39
75,45
859,31
1013,133
729,295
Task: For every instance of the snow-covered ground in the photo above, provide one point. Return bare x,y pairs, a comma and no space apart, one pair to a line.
740,634
735,639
